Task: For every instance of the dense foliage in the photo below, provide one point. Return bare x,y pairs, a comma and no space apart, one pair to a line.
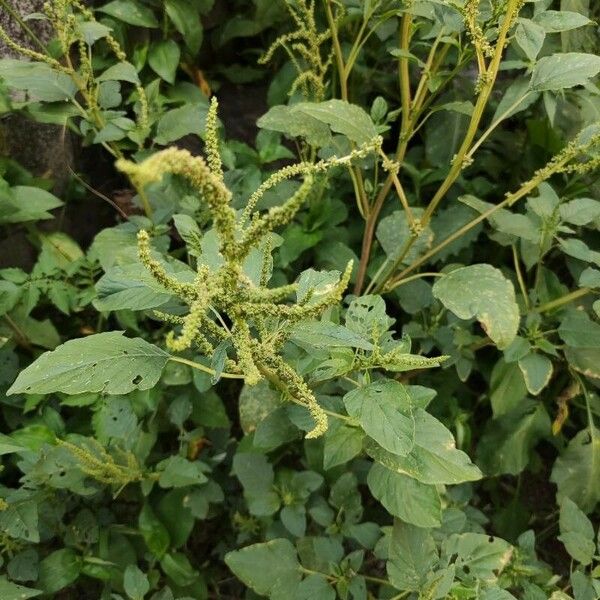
354,356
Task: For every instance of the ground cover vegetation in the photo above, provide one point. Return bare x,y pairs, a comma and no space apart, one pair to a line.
353,355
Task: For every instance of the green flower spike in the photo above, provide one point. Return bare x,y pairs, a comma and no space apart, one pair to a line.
225,306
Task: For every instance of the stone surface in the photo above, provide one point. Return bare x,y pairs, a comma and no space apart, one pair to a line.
46,150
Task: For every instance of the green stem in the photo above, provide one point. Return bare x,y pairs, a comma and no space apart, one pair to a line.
481,103
520,278
343,73
558,302
525,189
376,580
412,278
205,369
495,124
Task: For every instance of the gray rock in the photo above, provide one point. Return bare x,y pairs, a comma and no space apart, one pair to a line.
46,150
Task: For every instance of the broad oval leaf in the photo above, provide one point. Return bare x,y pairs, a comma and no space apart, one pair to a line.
12,591
434,457
576,532
270,569
561,71
107,362
324,334
384,410
314,120
481,291
576,471
406,498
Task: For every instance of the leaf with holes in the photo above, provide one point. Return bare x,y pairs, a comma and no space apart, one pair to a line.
107,362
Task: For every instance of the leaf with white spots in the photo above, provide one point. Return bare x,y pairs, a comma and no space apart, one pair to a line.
481,291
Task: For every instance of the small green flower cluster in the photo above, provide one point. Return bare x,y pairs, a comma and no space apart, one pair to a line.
305,48
252,318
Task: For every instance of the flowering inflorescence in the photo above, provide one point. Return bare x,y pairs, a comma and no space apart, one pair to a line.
472,18
96,462
305,48
226,306
581,155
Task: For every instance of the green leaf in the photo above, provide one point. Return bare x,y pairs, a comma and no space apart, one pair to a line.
325,334
179,122
257,477
107,362
314,121
9,296
507,387
393,233
565,70
367,317
8,445
293,123
580,211
385,412
121,71
177,471
412,555
184,15
576,532
26,203
481,291
315,587
530,36
478,555
24,566
270,569
115,419
153,531
130,11
537,370
579,331
342,444
178,568
188,229
576,471
12,591
589,277
132,287
58,570
342,117
506,445
175,514
554,21
580,250
20,519
434,457
163,58
39,80
135,583
406,498
255,403
93,31
519,88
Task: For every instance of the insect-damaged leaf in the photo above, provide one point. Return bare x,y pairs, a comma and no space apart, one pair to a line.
108,362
